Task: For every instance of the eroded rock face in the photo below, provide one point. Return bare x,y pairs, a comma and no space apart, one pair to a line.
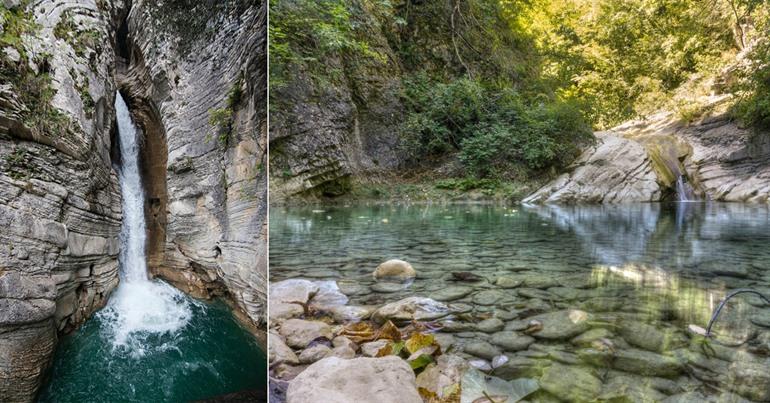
322,135
641,160
59,196
194,77
614,170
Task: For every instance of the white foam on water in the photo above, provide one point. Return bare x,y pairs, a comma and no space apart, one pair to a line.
140,307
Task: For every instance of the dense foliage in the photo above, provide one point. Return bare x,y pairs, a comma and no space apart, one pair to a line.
753,86
303,32
754,107
514,87
623,59
495,130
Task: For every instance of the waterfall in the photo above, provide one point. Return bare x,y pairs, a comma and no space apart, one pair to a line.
684,192
133,232
140,307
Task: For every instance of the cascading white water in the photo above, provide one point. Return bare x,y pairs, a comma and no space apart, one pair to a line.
684,192
133,235
140,307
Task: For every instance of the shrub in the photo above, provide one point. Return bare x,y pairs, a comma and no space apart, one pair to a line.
753,107
493,130
303,31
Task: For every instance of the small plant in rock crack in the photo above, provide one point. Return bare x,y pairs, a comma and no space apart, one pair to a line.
222,118
17,164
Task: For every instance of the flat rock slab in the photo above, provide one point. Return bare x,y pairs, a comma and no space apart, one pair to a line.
387,379
488,297
411,308
571,383
761,318
512,341
490,325
635,361
451,293
482,349
294,291
561,324
650,337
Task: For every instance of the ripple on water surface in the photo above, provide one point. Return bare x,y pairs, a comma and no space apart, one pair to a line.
153,343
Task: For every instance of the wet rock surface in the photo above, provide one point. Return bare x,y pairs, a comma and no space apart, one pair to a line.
615,170
208,192
640,161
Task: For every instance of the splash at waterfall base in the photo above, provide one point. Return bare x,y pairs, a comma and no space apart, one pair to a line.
210,356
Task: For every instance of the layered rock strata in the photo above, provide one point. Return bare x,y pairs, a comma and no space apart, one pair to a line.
642,160
195,78
324,134
59,196
201,108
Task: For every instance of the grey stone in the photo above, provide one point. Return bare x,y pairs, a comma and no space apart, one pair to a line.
411,308
279,352
488,297
482,349
371,348
299,333
511,341
394,269
750,380
571,383
650,337
314,353
561,324
490,325
387,379
451,293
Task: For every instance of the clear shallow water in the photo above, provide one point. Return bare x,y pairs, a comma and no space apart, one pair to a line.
663,265
210,355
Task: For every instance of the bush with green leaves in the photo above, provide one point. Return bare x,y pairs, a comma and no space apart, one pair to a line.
495,131
753,106
303,32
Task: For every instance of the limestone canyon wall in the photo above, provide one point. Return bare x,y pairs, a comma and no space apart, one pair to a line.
198,93
59,197
325,131
194,74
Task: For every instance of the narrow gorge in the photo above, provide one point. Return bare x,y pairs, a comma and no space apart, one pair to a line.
193,78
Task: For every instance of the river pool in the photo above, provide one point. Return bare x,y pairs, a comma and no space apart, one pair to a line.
642,273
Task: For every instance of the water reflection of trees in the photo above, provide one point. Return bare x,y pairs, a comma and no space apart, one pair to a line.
685,237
